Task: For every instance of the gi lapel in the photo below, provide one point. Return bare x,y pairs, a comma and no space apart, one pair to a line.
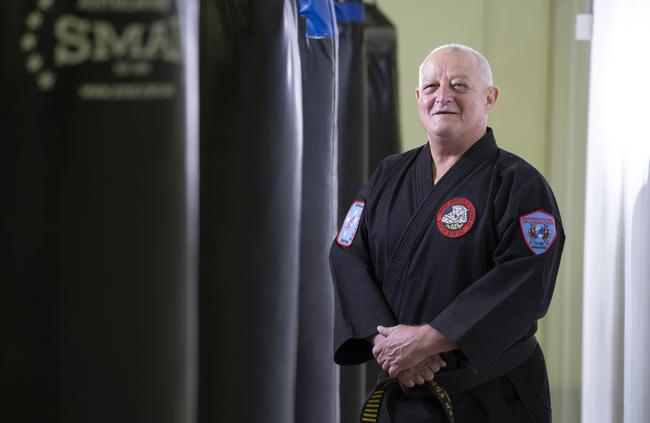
420,221
422,182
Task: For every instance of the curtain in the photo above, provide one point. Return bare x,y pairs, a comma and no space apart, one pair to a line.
616,339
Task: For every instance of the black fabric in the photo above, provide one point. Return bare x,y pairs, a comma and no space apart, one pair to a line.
95,267
316,377
521,396
381,60
251,140
352,167
380,43
401,268
352,113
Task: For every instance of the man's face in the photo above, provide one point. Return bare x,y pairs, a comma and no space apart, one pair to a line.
453,99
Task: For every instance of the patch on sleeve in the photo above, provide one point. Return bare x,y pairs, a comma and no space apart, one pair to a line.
350,224
539,230
456,217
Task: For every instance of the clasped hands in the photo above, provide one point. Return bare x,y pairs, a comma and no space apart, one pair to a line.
410,353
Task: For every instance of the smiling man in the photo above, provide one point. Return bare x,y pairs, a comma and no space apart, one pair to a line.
437,276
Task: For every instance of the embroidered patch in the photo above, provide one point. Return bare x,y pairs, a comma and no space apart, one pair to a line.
539,231
350,224
456,217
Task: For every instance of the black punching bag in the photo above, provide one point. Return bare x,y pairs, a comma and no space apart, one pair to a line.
352,109
316,379
94,315
383,114
251,142
352,158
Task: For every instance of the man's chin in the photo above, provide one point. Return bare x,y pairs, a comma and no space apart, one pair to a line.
445,132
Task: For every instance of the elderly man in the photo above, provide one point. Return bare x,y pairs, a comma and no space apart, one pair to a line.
445,262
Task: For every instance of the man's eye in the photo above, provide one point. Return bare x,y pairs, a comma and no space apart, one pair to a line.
459,85
430,88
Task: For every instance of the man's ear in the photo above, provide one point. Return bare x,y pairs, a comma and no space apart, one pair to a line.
417,94
492,96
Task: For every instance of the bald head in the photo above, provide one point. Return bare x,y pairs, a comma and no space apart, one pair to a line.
483,64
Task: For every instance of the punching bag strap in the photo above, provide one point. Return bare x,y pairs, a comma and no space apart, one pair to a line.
349,11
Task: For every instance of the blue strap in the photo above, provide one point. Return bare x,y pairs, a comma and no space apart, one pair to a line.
320,17
349,12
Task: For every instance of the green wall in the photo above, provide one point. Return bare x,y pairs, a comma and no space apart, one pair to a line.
513,35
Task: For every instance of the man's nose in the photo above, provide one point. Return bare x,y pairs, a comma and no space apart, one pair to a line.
444,95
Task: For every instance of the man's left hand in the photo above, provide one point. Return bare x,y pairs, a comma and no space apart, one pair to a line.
421,373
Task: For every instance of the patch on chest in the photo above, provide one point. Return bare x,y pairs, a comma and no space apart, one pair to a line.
539,230
456,217
350,224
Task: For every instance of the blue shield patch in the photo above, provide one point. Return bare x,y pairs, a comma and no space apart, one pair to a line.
539,230
350,224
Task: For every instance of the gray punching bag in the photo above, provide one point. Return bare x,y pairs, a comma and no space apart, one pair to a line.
352,158
381,59
316,379
251,141
93,314
352,104
380,42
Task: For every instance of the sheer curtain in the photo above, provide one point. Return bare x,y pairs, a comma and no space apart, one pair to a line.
616,337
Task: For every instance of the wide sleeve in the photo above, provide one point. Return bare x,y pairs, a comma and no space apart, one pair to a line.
502,307
360,305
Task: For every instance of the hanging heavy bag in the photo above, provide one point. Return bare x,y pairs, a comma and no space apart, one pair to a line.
94,315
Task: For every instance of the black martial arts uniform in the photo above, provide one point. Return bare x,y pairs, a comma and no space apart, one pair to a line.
476,256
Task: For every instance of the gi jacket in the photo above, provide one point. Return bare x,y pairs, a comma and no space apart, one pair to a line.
475,255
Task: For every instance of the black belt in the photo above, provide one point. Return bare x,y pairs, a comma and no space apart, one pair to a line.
451,382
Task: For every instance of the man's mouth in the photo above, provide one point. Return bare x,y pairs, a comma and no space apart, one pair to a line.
444,112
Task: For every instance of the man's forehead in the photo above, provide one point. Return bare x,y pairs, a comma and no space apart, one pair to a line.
450,75
451,63
435,71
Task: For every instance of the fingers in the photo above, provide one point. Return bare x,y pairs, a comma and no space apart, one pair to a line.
410,380
392,369
406,380
377,344
375,339
436,363
419,374
427,374
384,330
399,348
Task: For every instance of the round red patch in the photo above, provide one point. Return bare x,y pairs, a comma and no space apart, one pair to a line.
456,217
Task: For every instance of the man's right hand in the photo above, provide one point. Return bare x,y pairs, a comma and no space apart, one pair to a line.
421,372
418,374
375,339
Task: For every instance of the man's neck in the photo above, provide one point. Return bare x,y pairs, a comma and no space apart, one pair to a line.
441,164
445,153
